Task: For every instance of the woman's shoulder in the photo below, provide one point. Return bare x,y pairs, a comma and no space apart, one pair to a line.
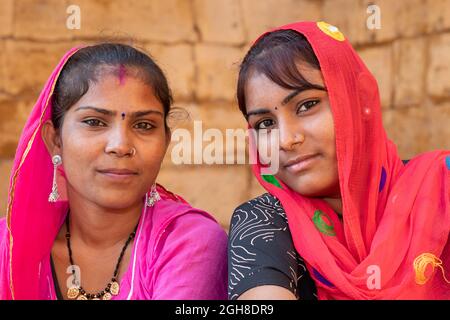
265,207
198,221
188,223
264,201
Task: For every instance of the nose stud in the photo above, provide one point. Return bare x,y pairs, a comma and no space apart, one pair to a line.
298,139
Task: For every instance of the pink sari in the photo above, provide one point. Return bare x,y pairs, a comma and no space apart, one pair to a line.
396,218
179,252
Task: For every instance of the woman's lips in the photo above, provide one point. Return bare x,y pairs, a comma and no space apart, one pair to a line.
301,163
118,174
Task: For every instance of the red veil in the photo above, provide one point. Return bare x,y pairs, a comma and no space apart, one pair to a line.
396,218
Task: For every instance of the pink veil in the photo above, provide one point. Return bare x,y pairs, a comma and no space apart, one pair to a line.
30,216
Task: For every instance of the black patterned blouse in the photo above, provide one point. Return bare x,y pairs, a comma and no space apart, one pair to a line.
261,251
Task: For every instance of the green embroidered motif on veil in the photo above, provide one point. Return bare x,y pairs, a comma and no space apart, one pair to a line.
320,221
271,179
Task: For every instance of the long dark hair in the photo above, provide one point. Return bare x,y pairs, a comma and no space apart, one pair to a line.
276,55
89,64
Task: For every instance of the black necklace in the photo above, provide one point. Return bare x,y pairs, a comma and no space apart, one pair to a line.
112,288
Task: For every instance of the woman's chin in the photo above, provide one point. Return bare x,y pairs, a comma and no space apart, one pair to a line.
115,201
306,188
313,190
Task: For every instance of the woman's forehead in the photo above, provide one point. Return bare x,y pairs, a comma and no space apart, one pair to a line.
109,94
114,87
308,72
259,86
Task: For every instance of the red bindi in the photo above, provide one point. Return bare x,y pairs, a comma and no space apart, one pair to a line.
122,74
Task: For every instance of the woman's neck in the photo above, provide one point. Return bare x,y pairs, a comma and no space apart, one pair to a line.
99,227
335,204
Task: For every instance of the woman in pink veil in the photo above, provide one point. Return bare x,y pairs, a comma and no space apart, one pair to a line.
85,218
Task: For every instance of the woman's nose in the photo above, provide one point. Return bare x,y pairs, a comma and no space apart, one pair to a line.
290,133
119,142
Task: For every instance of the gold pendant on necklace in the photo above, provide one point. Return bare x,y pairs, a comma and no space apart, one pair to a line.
82,297
115,288
73,292
107,296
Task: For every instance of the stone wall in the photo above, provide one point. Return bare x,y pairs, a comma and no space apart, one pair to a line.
199,44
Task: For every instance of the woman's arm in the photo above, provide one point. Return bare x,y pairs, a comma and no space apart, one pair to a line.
267,293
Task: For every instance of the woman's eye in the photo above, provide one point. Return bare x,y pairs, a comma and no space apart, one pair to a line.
306,106
265,124
144,126
94,123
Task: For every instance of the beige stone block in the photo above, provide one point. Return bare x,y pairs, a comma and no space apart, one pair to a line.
2,66
349,17
220,21
215,189
439,126
6,17
217,68
14,114
29,64
261,16
404,18
5,172
9,130
379,61
438,78
388,21
221,115
408,128
41,19
411,17
177,62
163,21
398,18
438,15
409,74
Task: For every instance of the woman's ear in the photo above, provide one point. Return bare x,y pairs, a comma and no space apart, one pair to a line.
51,138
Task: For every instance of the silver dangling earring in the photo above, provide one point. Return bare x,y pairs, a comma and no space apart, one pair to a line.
153,198
54,195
